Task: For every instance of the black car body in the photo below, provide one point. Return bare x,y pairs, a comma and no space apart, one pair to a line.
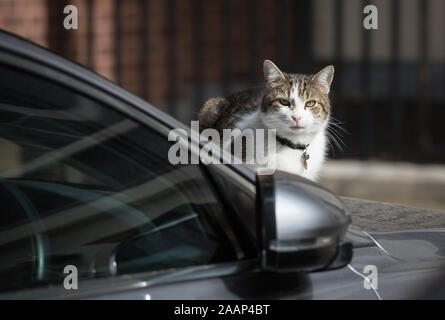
405,245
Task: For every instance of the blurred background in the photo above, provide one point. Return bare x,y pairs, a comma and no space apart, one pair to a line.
388,91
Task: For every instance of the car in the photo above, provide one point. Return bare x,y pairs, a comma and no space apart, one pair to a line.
93,209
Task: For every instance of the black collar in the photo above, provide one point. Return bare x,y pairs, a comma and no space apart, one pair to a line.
290,144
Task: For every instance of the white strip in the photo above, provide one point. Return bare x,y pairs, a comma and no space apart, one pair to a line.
377,244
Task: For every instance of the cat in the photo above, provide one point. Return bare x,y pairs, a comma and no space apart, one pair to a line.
297,106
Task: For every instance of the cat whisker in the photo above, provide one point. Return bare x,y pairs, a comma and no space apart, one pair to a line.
334,139
339,134
340,128
334,129
336,135
335,142
335,119
337,125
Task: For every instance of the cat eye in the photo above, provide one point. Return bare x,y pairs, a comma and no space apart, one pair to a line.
284,102
310,103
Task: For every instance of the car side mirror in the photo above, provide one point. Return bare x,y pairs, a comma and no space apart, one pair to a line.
301,225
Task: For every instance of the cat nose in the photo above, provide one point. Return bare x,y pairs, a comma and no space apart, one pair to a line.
296,119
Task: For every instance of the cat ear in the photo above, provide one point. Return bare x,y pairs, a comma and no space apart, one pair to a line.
271,72
324,78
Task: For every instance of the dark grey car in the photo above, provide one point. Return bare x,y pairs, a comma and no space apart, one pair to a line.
86,185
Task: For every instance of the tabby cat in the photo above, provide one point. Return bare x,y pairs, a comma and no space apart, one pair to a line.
296,105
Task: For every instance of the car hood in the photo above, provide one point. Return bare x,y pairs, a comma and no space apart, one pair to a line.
402,232
404,245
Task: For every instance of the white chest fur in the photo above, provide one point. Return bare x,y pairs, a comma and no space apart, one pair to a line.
288,159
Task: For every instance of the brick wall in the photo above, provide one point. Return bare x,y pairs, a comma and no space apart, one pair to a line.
26,18
168,68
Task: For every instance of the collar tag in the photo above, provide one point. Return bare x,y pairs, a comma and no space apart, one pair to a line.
296,146
305,157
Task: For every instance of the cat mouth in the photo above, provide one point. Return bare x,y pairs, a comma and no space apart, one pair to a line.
296,128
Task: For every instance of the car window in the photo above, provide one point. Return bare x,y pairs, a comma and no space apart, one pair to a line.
83,185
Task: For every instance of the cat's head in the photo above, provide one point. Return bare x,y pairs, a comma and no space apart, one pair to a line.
296,104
